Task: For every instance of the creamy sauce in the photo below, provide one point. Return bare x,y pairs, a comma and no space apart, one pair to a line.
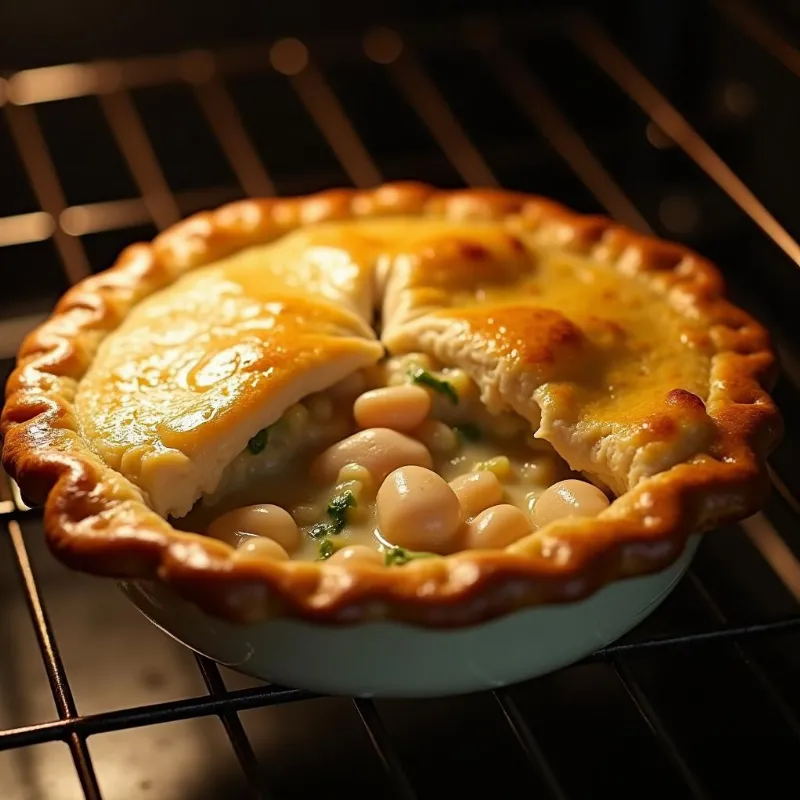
589,354
461,437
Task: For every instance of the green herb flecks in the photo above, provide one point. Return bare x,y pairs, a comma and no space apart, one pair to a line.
337,511
326,549
425,378
398,556
321,529
468,432
258,442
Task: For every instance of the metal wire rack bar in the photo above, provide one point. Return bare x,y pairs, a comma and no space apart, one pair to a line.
648,713
261,697
56,675
134,143
33,150
426,99
69,81
385,749
775,551
789,717
25,228
784,491
203,72
233,726
531,98
753,23
326,111
590,38
529,744
154,714
727,633
223,117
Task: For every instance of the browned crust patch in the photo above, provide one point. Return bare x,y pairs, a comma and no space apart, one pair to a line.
97,521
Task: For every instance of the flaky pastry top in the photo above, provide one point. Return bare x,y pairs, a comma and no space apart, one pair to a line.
620,350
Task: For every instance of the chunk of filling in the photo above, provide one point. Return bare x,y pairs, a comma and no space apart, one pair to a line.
397,462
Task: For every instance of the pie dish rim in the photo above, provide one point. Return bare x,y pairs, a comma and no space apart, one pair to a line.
98,521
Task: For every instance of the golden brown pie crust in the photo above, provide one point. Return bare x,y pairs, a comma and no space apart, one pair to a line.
97,521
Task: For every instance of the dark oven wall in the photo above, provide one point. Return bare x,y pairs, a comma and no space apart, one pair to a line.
43,32
57,31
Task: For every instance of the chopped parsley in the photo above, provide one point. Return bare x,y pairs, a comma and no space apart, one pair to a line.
337,511
398,556
326,549
425,378
321,529
468,431
258,442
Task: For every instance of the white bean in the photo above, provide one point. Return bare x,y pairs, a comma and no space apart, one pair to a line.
264,519
306,513
358,554
418,510
477,491
296,418
258,547
353,472
496,528
379,450
401,408
437,436
570,498
544,471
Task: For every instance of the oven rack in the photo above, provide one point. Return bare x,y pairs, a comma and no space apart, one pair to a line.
304,65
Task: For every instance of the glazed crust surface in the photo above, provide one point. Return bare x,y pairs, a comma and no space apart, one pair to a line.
98,521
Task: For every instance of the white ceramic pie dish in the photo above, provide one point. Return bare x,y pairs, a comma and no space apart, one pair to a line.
387,659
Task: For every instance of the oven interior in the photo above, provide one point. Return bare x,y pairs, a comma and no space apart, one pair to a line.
678,118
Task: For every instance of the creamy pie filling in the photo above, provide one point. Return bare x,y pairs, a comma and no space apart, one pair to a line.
417,468
248,399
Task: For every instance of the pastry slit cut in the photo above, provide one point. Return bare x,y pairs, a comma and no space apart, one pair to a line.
227,385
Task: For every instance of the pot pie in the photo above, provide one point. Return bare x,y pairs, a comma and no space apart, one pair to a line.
426,406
